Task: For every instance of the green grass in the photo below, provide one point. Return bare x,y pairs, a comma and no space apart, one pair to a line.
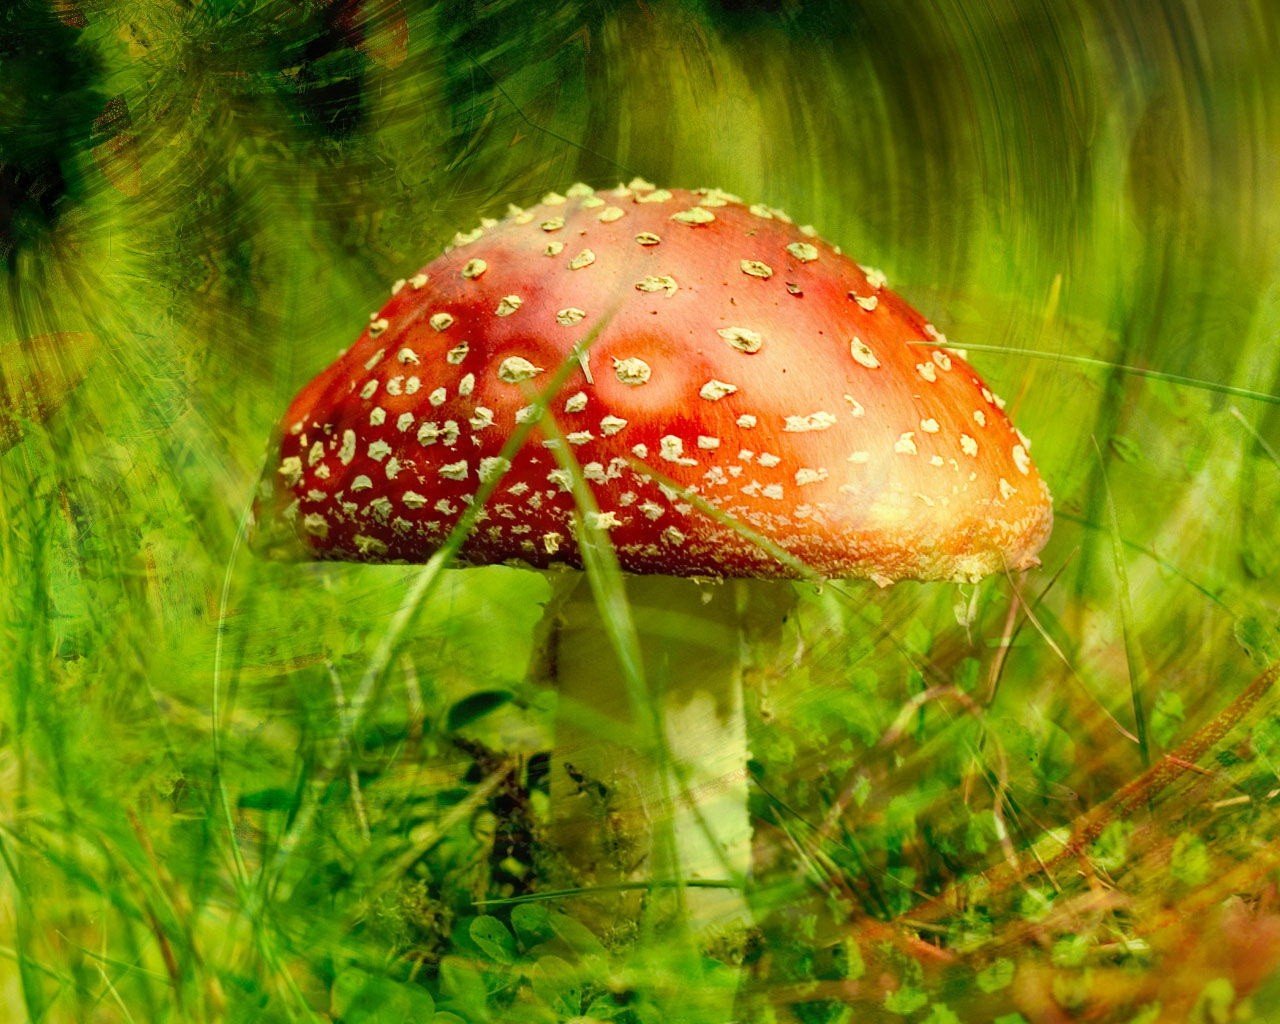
236,790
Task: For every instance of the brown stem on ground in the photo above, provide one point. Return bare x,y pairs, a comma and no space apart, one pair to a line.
1130,797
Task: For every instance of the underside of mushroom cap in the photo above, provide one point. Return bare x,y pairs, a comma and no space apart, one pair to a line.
739,398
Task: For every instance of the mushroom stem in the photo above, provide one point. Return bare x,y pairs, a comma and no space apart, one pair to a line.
677,811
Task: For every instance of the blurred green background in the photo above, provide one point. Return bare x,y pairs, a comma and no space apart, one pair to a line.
234,790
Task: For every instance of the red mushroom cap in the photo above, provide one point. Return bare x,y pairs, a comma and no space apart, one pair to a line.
740,370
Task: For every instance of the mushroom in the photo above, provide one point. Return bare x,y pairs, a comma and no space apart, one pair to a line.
721,393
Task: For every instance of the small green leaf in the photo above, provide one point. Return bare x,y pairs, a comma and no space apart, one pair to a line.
1260,640
1072,989
1215,1003
359,997
899,893
475,706
972,930
775,749
346,989
905,1000
1265,741
854,966
1038,748
532,923
1167,717
966,673
463,984
1035,903
997,976
557,985
494,939
1126,450
1111,848
1189,862
1071,951
940,1013
578,937
982,830
918,637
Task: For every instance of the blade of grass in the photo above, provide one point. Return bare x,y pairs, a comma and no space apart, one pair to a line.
591,890
215,708
1164,563
1013,629
395,636
799,570
604,576
1134,371
1253,432
1134,660
115,995
344,743
33,995
849,844
403,862
251,900
1072,674
1136,793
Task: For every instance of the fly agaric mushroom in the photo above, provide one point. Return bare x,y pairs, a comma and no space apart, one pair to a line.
719,368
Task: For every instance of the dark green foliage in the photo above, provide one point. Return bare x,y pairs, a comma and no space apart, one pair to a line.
474,706
54,110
